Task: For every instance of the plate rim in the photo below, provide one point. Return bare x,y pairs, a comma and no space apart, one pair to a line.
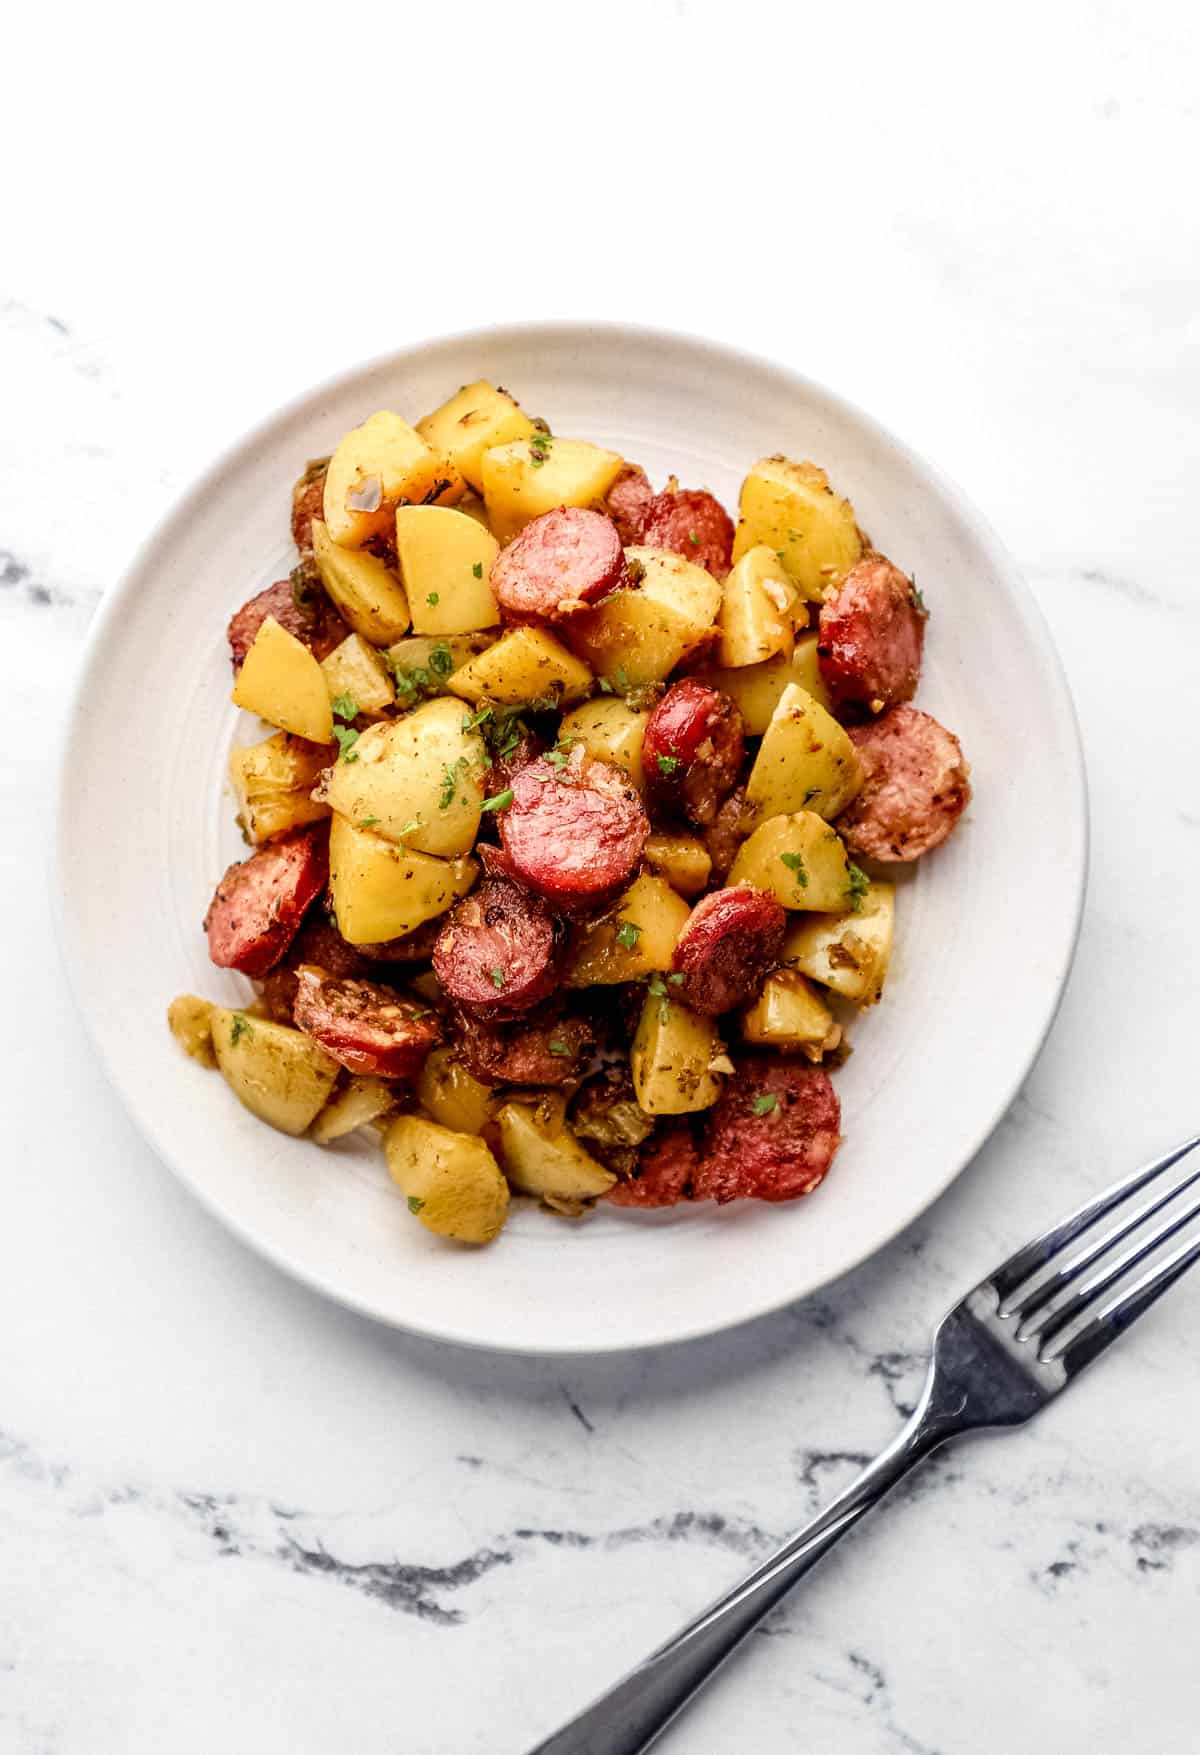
106,621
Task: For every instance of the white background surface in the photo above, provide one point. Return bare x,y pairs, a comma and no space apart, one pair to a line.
232,1517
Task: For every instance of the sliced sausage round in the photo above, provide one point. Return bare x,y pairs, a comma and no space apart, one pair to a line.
916,786
506,761
692,750
416,946
367,1027
301,608
666,1166
574,831
258,905
308,502
628,503
729,945
772,1134
318,941
694,524
549,1048
497,953
870,637
559,562
726,832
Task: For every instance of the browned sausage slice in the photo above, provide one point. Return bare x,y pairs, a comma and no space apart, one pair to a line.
692,750
871,636
304,611
628,503
548,1048
729,945
259,904
413,947
560,562
497,952
694,524
916,786
318,941
726,833
575,829
666,1165
368,1028
772,1134
308,502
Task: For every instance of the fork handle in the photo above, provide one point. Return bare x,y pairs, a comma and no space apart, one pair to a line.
634,1713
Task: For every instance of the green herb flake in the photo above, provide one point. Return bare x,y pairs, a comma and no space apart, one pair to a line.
498,800
346,738
605,686
344,707
240,1027
656,987
497,977
472,720
628,934
441,659
477,569
409,828
693,539
415,1204
560,1048
860,883
675,980
667,764
433,599
766,1104
795,864
539,449
449,784
620,677
922,607
367,822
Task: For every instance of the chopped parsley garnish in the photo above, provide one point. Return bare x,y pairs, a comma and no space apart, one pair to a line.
675,980
450,774
765,1104
346,738
471,720
693,539
441,659
605,686
497,976
415,1203
860,883
367,822
498,800
344,707
409,828
795,864
539,449
919,601
433,599
557,1047
477,569
628,934
240,1027
667,764
656,987
620,677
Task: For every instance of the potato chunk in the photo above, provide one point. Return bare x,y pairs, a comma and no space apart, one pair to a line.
452,1182
360,1101
382,891
634,939
683,860
800,861
418,780
190,1022
638,635
758,610
370,597
282,682
791,508
280,1074
805,761
789,1013
542,1156
672,1058
756,688
357,670
531,476
848,953
272,782
452,1095
611,731
524,665
378,466
423,666
445,558
476,418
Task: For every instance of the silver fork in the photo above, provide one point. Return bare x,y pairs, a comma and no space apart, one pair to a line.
1022,1335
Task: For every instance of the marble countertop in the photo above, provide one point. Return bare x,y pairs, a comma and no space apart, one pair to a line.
234,1517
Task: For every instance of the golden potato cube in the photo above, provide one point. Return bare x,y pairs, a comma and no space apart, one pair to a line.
381,891
423,666
357,671
452,1182
378,466
611,731
476,417
791,508
367,593
359,1102
452,1095
280,1074
418,780
282,682
629,640
757,618
633,939
189,1020
445,558
272,782
790,1013
671,1058
679,585
530,476
804,762
524,665
848,953
800,861
541,1155
755,688
682,859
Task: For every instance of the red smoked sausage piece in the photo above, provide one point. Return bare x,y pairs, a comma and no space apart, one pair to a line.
318,941
871,635
765,1150
312,619
573,833
692,523
729,945
916,786
558,563
692,750
308,502
547,1048
628,503
259,903
368,1028
666,1165
497,952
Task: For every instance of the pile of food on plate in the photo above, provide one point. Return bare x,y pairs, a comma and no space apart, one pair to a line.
556,876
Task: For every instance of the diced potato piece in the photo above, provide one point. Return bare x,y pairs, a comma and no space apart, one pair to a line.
850,952
368,594
531,476
806,670
471,506
280,1074
452,1095
756,688
791,508
542,1156
476,417
758,610
418,780
634,938
689,591
800,860
611,730
190,1021
378,466
272,782
682,859
445,558
671,1059
804,762
282,682
453,1183
361,1101
382,891
524,665
629,639
423,666
357,669
790,1013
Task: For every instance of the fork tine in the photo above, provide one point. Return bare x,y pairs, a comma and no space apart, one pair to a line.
1123,1310
1019,1267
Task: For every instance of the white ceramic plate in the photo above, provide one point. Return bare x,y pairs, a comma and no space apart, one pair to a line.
986,926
